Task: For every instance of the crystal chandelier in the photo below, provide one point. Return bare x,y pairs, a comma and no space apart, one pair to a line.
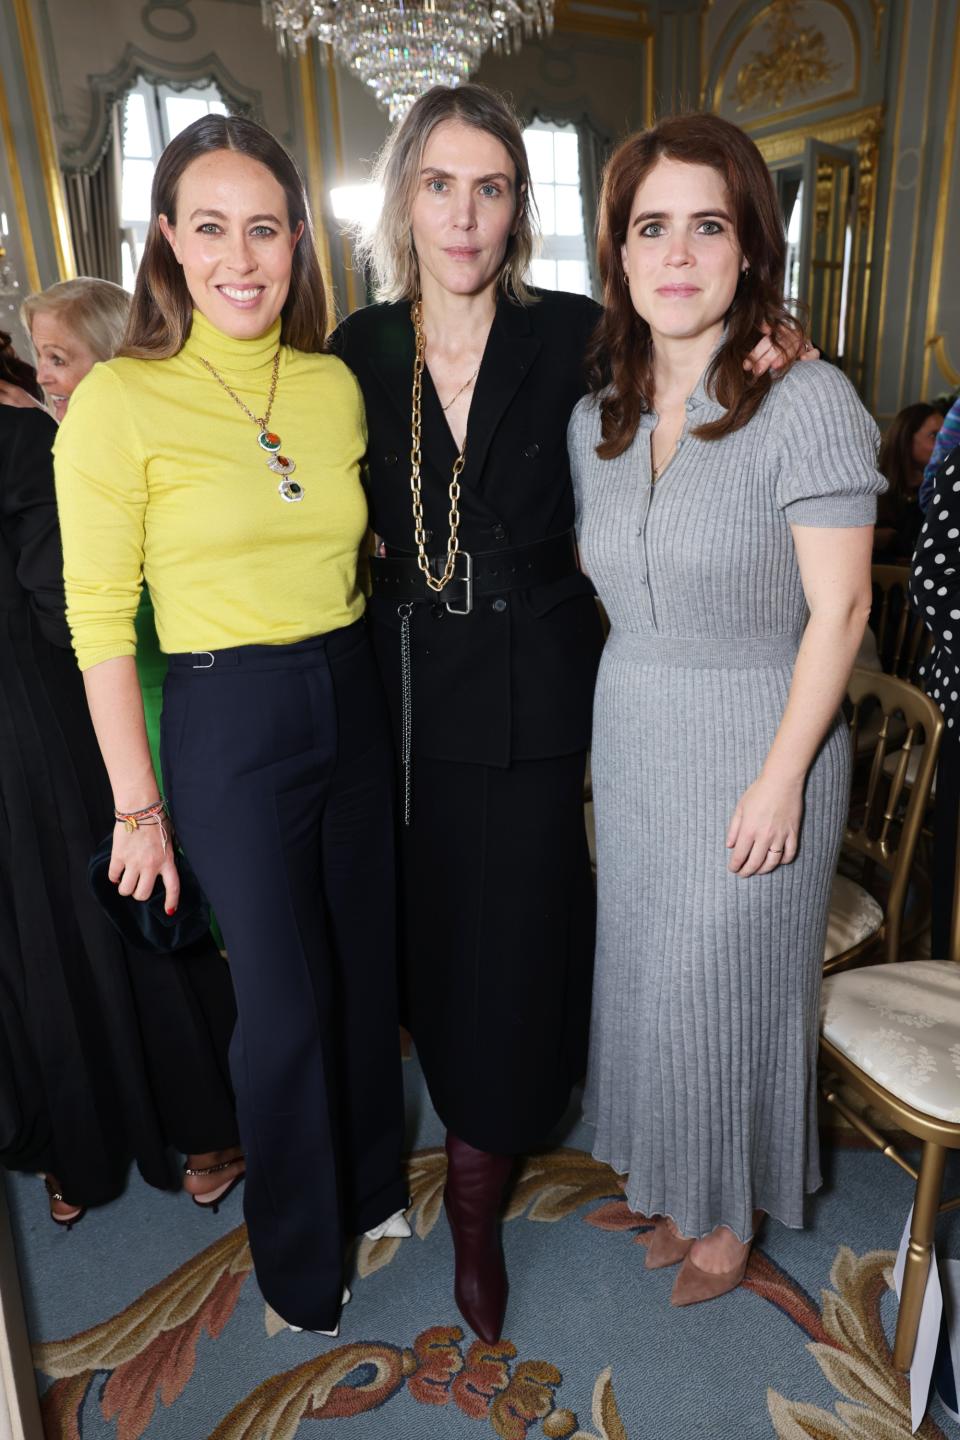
401,50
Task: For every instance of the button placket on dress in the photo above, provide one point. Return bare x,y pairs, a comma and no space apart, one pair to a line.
646,503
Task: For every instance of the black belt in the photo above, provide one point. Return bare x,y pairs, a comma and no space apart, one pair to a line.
398,577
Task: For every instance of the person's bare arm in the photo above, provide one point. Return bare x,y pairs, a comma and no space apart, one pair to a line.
116,708
835,570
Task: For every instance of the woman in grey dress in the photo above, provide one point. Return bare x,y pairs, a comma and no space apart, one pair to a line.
727,523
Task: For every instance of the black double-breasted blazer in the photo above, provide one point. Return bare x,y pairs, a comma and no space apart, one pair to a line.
513,680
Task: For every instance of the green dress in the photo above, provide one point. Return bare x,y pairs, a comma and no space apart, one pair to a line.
151,672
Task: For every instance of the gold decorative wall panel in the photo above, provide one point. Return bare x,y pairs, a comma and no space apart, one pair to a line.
50,165
935,340
864,128
24,233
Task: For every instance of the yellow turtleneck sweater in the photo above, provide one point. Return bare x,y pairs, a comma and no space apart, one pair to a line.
160,478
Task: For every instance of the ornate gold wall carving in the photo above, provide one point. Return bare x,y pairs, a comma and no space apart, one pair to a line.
784,62
858,125
794,60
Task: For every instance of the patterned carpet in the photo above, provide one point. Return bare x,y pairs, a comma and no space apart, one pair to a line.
147,1321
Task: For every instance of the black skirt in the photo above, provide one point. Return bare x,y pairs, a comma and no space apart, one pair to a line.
107,1055
498,924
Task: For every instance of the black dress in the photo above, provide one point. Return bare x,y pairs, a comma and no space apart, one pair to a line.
498,911
106,1054
935,592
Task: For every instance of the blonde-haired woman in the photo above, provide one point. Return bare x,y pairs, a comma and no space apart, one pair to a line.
71,325
489,659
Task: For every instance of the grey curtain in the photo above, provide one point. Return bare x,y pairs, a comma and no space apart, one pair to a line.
93,205
594,149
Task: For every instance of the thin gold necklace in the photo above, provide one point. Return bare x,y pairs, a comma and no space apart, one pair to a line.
463,387
267,439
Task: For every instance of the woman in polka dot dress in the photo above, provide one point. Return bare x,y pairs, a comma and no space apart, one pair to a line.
935,591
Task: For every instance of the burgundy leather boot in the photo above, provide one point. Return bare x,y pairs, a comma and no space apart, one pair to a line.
476,1181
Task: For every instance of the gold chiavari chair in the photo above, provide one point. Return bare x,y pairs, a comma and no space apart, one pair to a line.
903,640
878,873
890,1041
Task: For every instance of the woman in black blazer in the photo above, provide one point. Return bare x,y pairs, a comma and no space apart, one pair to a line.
489,668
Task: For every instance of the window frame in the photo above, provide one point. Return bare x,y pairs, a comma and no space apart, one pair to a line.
553,247
133,233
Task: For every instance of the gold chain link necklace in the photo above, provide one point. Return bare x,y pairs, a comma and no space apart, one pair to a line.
268,440
453,544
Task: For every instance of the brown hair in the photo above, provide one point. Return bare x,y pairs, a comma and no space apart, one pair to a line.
896,460
621,353
388,249
15,371
161,311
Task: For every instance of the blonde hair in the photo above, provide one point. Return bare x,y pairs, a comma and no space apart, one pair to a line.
388,248
95,310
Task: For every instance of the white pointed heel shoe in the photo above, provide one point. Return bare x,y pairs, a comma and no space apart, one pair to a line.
299,1330
395,1227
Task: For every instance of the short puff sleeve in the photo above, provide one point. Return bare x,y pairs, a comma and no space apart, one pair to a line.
826,447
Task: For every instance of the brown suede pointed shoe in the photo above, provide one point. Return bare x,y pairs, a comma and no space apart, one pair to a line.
666,1248
694,1285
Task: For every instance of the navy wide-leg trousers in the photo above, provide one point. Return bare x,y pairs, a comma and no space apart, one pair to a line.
279,775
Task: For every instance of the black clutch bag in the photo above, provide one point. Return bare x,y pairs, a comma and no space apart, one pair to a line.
145,924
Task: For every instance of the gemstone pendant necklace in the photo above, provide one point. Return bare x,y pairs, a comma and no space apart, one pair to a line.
279,463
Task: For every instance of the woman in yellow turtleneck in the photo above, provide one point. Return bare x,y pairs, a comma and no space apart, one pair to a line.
218,458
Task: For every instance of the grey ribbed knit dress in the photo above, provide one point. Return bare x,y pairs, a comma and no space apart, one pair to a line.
701,1081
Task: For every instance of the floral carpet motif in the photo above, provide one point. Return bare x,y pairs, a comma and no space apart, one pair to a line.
810,1326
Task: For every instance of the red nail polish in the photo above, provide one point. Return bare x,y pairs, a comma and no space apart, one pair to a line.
171,912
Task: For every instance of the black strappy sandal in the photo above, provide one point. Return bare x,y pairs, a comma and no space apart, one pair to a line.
66,1222
213,1199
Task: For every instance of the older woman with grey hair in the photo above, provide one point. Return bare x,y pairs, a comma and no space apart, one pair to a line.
71,325
107,1054
488,640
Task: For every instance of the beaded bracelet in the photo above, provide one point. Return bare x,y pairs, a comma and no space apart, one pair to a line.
131,818
155,814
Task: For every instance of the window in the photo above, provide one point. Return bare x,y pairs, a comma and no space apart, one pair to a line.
554,155
152,116
794,222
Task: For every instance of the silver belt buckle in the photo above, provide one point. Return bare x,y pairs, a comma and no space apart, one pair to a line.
210,659
467,579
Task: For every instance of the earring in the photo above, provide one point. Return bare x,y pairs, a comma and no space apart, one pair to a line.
626,279
745,272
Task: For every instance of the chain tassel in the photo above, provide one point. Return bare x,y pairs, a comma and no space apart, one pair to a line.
406,682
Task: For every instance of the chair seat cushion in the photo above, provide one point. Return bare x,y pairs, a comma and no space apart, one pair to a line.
854,915
900,1024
